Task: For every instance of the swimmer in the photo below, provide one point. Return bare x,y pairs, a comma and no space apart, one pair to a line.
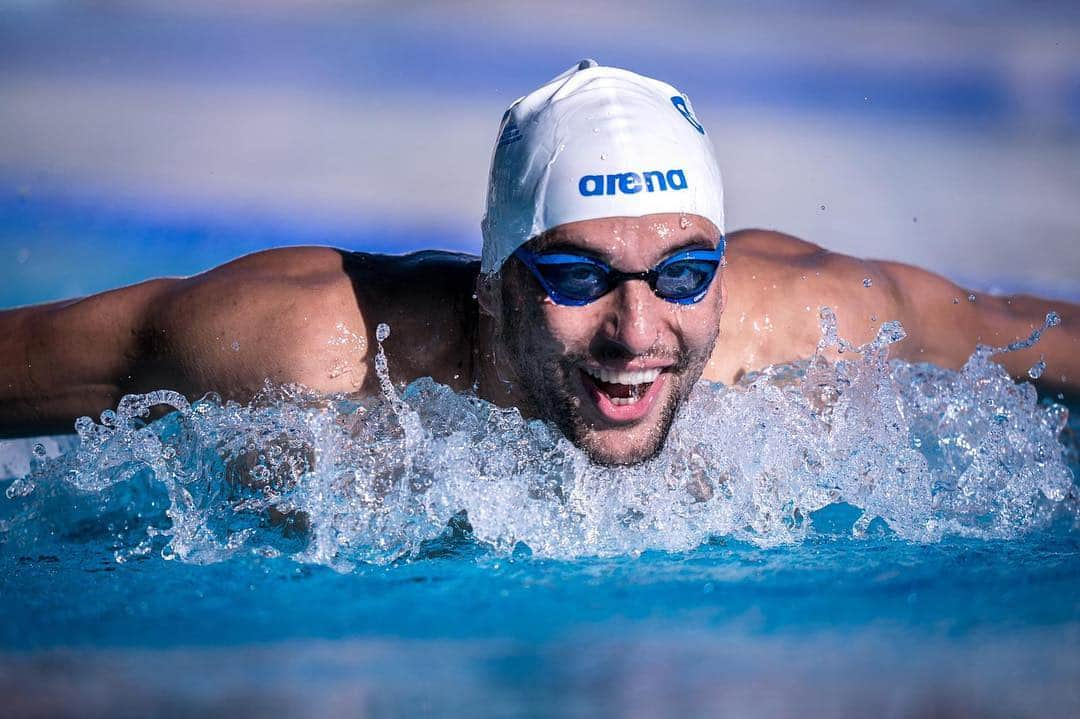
607,287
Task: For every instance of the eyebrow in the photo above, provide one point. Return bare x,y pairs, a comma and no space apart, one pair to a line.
561,241
693,242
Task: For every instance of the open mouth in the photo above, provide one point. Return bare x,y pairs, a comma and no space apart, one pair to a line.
623,395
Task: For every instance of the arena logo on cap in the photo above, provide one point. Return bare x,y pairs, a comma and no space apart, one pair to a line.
629,183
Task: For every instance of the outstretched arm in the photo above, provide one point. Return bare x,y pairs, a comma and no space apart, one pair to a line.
777,283
62,360
288,315
944,324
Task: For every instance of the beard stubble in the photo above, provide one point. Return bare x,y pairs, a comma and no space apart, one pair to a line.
546,378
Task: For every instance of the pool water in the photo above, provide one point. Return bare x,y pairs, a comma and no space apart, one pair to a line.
855,538
878,626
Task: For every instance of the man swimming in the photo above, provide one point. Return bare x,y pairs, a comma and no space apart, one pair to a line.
607,288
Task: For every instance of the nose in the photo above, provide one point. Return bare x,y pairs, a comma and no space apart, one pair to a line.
632,324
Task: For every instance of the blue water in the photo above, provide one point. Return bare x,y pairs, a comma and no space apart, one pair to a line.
74,594
976,624
980,625
911,549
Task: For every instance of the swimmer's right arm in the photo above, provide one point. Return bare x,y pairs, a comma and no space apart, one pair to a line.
289,315
62,360
286,315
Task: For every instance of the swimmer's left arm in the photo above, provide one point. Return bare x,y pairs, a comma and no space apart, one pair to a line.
945,322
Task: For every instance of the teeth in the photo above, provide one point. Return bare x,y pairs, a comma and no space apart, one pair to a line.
631,378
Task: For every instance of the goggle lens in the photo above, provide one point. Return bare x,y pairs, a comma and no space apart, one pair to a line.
580,281
570,279
684,278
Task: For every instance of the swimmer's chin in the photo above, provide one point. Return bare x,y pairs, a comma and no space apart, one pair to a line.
624,446
603,457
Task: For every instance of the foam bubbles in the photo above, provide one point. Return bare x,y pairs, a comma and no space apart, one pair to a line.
921,452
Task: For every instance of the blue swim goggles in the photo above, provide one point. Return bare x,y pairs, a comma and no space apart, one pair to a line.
576,280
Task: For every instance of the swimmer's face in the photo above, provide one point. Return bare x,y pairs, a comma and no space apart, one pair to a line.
611,373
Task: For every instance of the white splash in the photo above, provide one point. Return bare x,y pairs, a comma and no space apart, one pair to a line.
336,480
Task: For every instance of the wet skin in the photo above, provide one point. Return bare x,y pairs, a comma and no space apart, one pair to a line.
308,316
590,368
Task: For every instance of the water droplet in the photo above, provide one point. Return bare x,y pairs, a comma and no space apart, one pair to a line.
1053,319
867,282
603,155
956,300
382,332
684,222
20,488
1038,368
235,346
823,208
890,333
971,298
84,426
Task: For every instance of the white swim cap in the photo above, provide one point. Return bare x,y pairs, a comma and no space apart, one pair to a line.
596,142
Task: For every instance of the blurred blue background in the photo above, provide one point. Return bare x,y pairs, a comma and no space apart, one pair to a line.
147,138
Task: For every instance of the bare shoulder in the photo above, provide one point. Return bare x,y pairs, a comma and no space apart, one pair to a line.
282,266
783,256
801,270
777,285
770,246
294,315
252,319
258,286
